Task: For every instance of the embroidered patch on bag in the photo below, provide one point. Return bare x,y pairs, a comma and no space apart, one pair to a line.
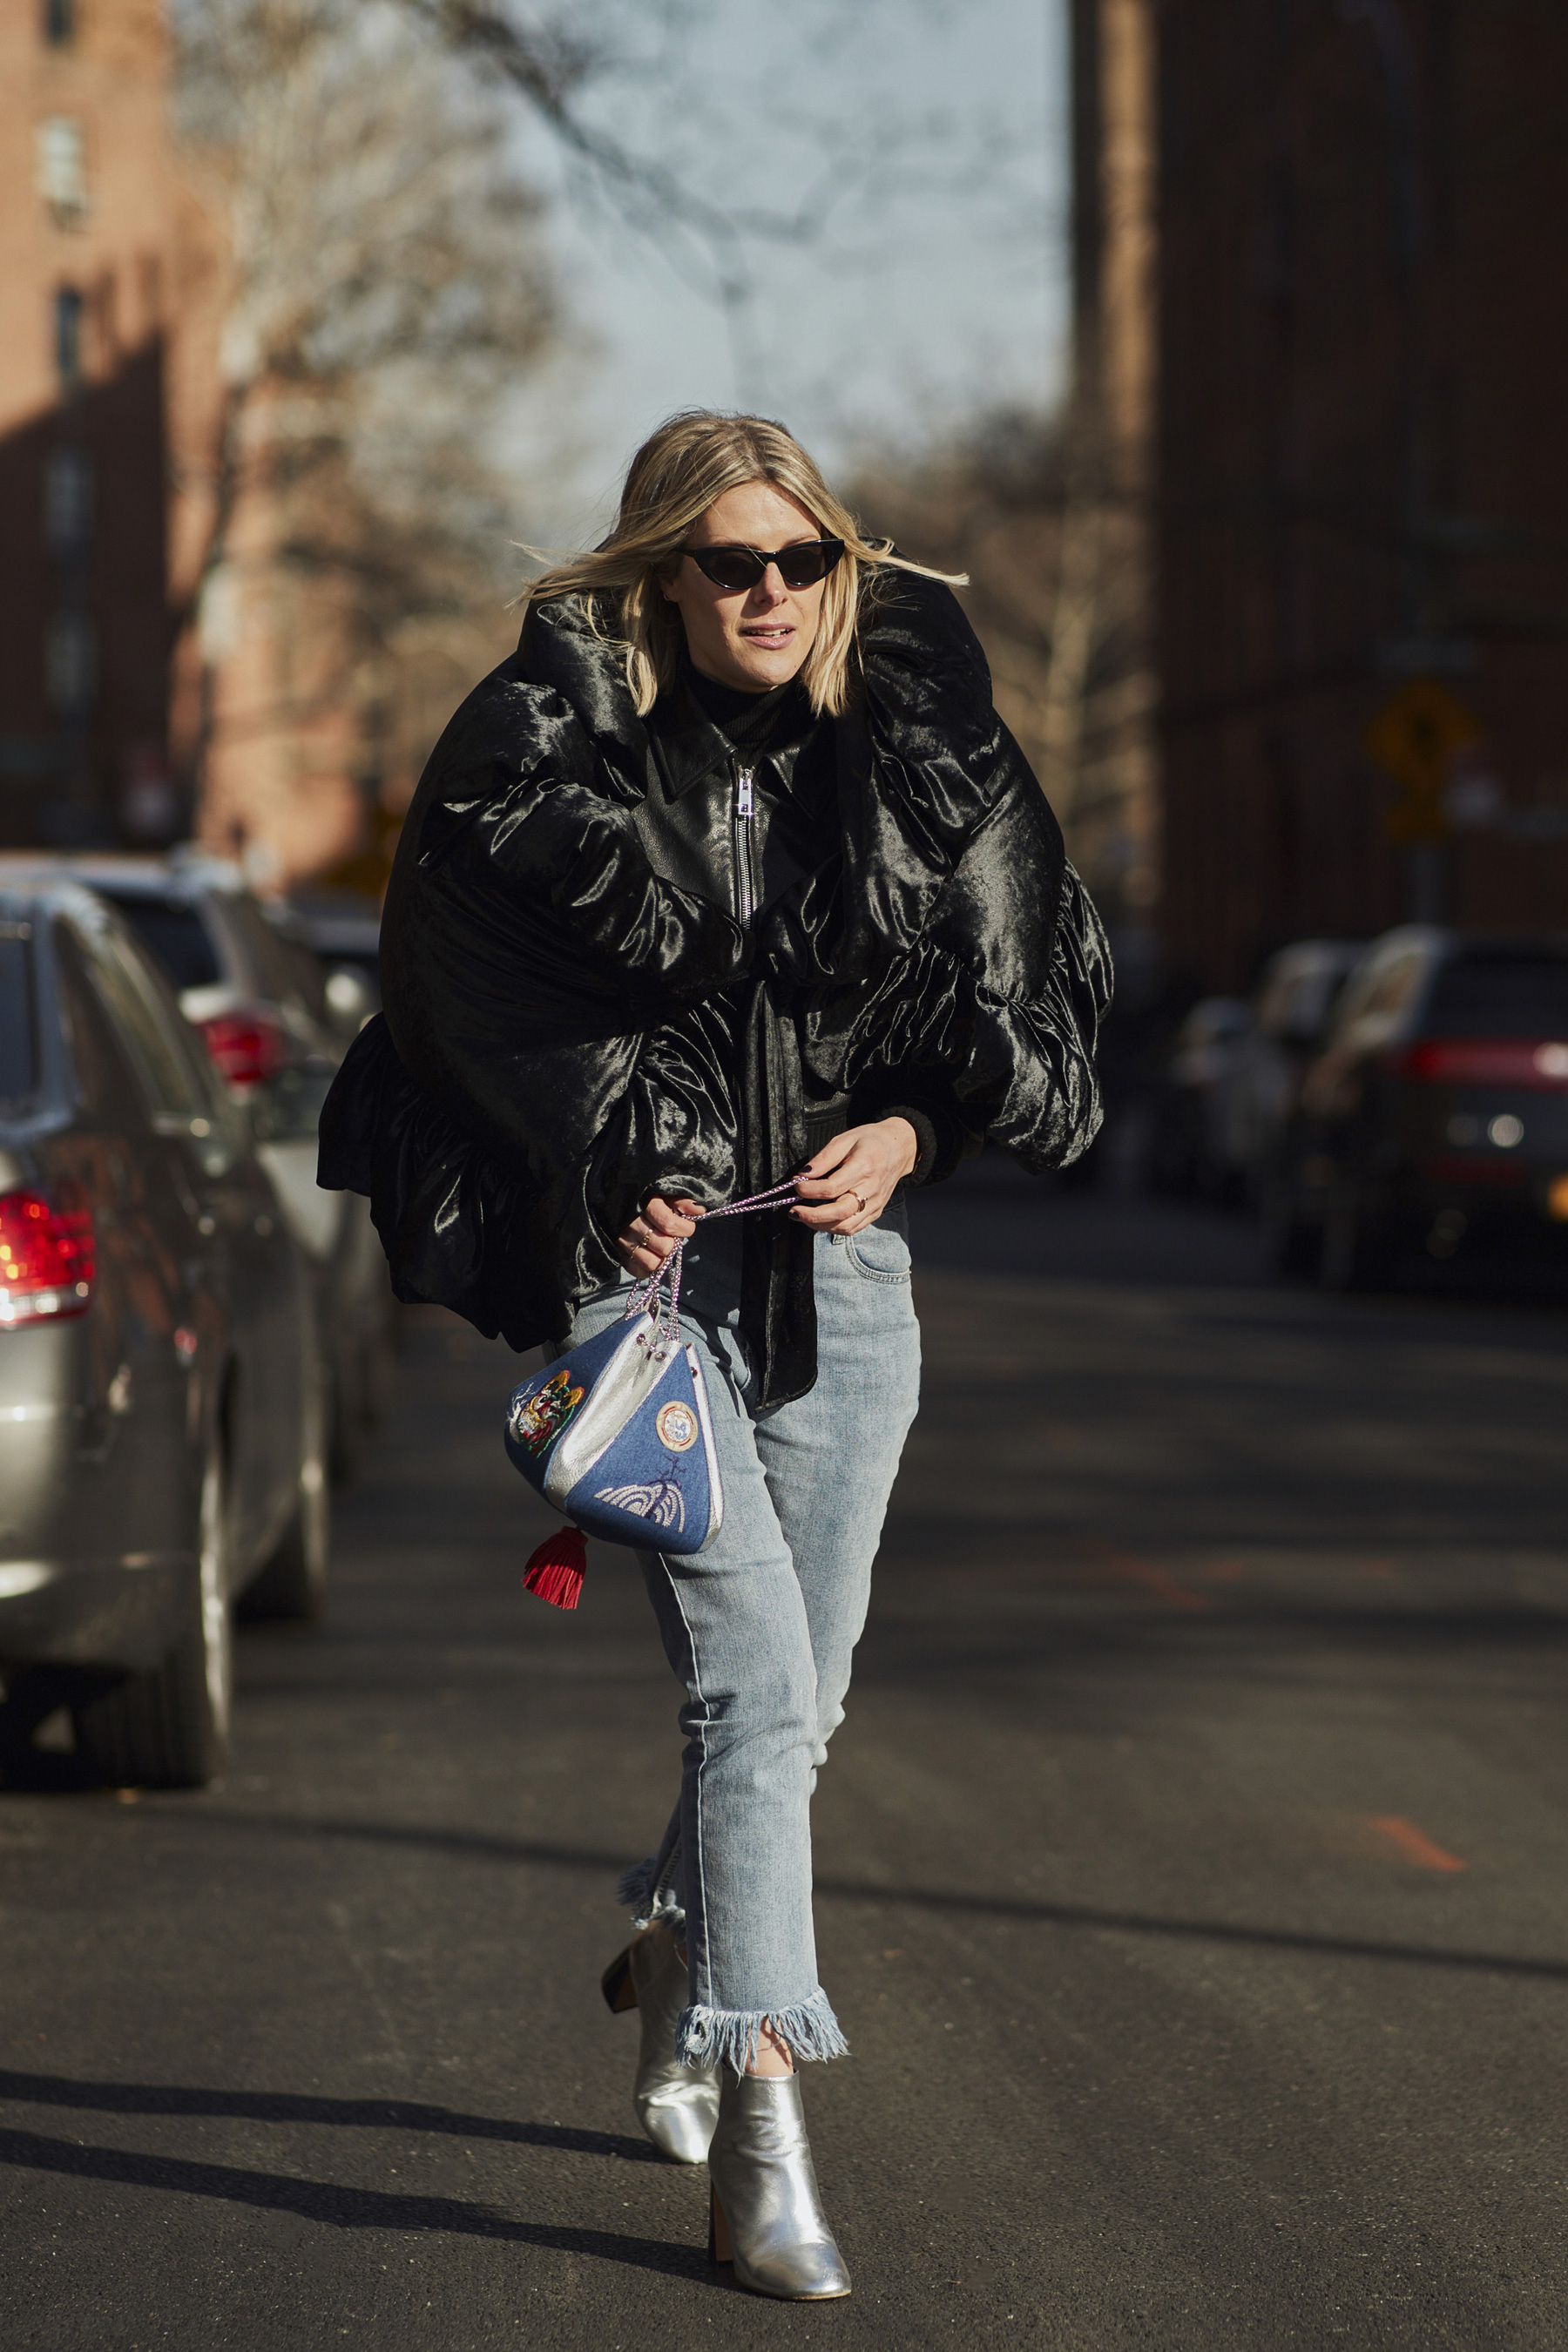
544,1414
659,1501
677,1427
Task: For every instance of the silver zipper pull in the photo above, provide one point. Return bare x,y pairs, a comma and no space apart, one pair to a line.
743,793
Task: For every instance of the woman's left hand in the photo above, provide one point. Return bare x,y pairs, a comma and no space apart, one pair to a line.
848,1183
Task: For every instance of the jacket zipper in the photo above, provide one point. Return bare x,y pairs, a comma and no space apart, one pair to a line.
745,885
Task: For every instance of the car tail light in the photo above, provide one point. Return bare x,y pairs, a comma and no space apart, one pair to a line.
247,1046
47,1258
1482,1062
1497,1170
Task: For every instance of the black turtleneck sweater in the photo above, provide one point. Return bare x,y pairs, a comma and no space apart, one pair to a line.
749,720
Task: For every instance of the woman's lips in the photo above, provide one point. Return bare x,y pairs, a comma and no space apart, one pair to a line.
773,635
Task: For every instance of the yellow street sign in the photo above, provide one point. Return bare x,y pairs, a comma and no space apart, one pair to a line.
1414,739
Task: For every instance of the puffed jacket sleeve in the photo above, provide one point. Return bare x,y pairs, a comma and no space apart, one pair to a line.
527,947
994,1013
1048,1111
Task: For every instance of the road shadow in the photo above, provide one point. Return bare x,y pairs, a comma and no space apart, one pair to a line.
964,1902
290,2107
336,2207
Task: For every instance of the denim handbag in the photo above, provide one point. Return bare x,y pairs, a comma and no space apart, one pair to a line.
618,1436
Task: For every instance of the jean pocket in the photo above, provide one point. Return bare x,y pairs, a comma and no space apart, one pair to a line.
880,1255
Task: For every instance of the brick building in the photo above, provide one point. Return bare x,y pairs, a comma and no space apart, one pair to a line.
153,680
109,286
1362,466
1098,752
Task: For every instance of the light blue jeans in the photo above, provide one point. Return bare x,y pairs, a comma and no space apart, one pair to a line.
761,1628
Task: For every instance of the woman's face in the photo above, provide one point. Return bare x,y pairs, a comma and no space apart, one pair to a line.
754,638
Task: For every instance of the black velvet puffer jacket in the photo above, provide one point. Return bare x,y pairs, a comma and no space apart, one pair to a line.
569,1030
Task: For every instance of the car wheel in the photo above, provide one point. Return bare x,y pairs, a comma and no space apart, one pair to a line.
169,1727
1355,1253
292,1583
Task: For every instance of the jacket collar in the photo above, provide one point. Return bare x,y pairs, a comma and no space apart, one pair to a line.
689,742
687,745
926,691
559,647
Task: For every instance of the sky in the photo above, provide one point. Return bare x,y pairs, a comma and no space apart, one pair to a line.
924,142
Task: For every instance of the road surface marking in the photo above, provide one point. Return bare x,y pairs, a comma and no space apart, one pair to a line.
1412,1843
1148,1574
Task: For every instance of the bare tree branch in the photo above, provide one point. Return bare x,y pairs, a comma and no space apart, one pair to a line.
1059,598
389,287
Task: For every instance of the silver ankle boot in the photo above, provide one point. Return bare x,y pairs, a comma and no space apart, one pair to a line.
677,2105
767,2216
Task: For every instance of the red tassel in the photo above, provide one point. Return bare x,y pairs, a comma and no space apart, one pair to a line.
557,1569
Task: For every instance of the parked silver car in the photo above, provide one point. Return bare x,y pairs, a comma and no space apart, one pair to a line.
161,1422
344,930
1290,1011
1189,1129
249,982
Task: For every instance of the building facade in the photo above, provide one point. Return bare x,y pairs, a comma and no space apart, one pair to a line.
1098,749
1362,471
159,672
104,258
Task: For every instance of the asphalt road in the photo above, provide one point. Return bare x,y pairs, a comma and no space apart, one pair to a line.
1191,1867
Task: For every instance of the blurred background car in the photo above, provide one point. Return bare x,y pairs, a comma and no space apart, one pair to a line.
1291,1010
262,1000
343,932
1436,1119
162,1399
1188,1147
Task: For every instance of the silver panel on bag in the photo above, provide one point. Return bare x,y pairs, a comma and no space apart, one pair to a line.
627,1380
715,1484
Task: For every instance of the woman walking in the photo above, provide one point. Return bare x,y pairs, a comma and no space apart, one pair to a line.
730,876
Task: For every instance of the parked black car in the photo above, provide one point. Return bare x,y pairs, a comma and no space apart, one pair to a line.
250,980
1437,1115
162,1422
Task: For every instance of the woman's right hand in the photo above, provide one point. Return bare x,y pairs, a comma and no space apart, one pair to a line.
650,1237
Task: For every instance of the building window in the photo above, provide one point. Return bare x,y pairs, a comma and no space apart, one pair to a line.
67,501
62,169
68,308
70,664
59,23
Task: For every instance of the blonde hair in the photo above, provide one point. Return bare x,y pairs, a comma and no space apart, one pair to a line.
691,460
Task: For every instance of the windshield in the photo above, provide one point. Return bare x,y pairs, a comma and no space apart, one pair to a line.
175,938
1503,993
18,1042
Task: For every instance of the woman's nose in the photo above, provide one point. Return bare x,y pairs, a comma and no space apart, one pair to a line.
769,589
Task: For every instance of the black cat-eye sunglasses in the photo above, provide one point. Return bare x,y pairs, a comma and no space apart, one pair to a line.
801,566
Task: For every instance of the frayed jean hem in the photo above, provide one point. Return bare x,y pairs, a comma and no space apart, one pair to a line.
713,2037
650,1905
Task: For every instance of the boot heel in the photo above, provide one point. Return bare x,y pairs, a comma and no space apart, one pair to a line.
618,1985
719,2247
